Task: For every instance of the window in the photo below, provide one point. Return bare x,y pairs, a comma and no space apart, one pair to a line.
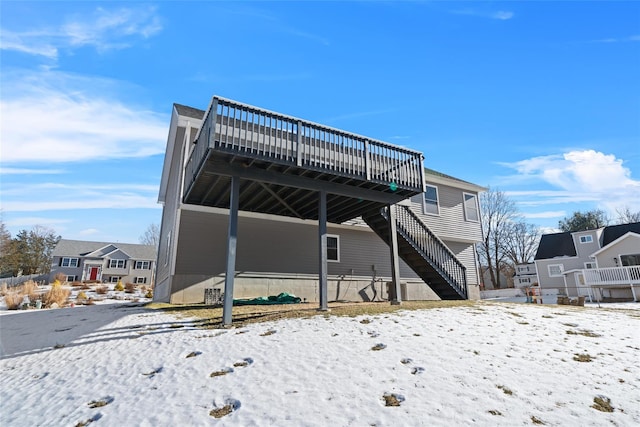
142,265
72,278
586,239
525,280
69,262
114,279
431,200
589,265
140,280
117,263
471,212
555,270
333,248
628,260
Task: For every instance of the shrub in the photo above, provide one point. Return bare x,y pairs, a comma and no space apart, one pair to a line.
81,295
130,288
60,277
118,286
102,290
76,284
85,286
3,289
56,294
149,294
13,299
30,288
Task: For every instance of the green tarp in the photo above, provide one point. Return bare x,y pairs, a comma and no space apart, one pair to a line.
283,298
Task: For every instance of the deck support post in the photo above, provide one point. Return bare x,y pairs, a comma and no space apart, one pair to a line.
322,258
395,266
232,241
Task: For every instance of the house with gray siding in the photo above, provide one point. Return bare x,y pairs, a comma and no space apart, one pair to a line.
80,260
599,263
285,164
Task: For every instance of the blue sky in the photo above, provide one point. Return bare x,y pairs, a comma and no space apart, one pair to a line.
538,99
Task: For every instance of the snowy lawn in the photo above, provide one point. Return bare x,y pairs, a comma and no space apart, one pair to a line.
494,364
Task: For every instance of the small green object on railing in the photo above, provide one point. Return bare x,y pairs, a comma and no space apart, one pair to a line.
393,186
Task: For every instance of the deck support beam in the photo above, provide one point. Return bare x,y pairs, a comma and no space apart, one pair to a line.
232,241
395,266
322,256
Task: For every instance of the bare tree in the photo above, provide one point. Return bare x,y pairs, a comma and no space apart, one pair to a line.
151,236
521,242
498,214
626,216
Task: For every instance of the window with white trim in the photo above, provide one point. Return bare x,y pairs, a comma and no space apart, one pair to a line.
629,260
333,248
525,280
586,239
72,278
117,263
555,270
431,200
142,265
69,262
138,280
589,265
471,211
114,279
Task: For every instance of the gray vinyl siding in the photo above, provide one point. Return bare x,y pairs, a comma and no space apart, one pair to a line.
450,224
170,211
273,246
466,253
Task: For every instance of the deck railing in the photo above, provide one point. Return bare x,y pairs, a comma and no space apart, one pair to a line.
431,248
612,276
261,134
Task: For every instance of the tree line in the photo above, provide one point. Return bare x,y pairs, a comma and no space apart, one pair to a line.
29,252
508,240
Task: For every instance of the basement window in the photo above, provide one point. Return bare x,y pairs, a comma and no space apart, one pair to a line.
333,248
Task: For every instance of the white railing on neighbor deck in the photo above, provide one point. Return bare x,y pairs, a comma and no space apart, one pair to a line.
613,277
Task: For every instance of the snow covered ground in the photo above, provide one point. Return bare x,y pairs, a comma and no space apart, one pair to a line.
491,364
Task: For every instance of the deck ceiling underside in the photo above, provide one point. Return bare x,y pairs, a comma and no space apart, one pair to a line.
287,190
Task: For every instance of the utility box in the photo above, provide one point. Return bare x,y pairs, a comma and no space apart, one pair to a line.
212,296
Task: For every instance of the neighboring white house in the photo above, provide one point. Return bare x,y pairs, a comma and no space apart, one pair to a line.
80,260
604,262
280,161
526,275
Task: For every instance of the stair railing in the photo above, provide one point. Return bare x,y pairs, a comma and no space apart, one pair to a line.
430,247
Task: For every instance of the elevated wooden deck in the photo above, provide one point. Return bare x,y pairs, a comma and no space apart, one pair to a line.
283,162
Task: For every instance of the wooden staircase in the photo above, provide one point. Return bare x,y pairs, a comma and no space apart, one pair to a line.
423,251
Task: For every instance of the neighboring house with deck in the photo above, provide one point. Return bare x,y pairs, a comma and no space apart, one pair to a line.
600,263
80,260
287,205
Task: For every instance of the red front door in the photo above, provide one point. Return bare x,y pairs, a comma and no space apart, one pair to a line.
93,273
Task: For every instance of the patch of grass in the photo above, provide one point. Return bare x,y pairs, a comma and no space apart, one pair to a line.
378,347
241,364
584,332
392,399
267,333
220,372
546,316
505,390
494,412
571,325
583,357
536,420
58,346
100,403
243,315
602,404
13,300
513,313
523,323
194,354
221,412
365,321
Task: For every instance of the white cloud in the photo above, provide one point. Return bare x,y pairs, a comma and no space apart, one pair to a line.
580,176
547,214
29,221
104,30
501,15
29,171
58,117
89,232
633,38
